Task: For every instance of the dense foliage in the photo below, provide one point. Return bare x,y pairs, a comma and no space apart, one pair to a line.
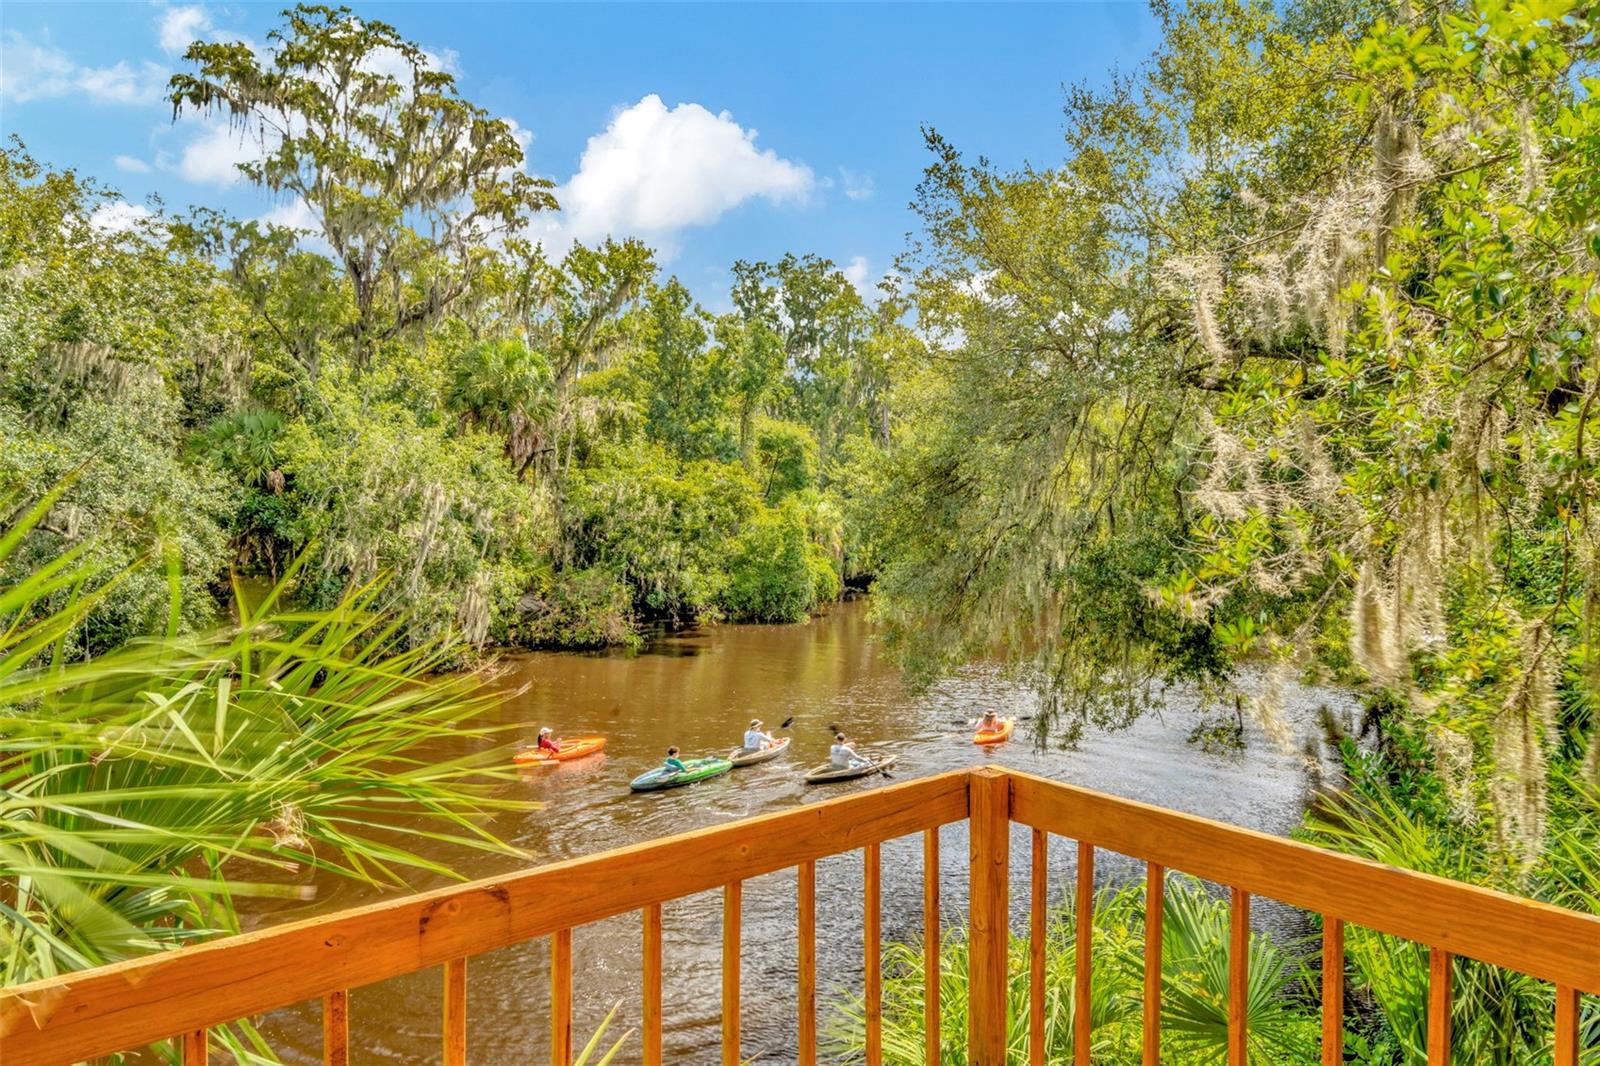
146,790
260,486
540,445
1288,362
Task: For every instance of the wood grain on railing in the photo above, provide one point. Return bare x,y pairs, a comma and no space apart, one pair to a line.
455,1012
1083,961
988,925
872,963
131,1004
336,1029
1239,978
807,921
1537,939
1155,913
1439,998
1037,932
652,985
732,918
932,949
1332,992
561,998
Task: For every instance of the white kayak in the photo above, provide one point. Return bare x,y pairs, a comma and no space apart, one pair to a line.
751,756
824,774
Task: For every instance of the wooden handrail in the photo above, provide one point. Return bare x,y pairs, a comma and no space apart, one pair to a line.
131,1004
187,992
1537,939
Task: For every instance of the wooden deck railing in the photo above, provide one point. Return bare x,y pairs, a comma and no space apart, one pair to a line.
181,994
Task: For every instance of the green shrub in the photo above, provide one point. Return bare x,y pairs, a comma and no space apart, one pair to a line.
139,509
785,458
575,609
662,527
775,572
380,492
1194,1005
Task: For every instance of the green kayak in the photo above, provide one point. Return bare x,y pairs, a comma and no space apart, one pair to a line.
698,770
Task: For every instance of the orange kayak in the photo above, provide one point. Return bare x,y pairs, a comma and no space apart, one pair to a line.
997,735
571,748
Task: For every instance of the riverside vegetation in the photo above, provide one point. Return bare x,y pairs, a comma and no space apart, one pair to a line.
1288,361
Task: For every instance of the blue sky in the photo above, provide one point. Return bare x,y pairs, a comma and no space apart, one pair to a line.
715,131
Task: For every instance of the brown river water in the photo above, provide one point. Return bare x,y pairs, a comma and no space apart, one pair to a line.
698,689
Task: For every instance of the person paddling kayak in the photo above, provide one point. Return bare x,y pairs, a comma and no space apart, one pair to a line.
842,755
989,723
756,738
548,742
673,763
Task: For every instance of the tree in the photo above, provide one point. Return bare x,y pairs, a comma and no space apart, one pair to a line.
504,387
298,305
685,382
1041,451
752,350
406,179
820,321
785,458
571,310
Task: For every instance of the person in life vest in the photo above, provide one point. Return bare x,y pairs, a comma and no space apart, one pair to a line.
548,742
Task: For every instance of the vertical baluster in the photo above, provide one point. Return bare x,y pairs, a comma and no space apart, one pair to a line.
336,1029
874,962
932,944
1036,942
1332,992
1239,979
1438,1007
194,1047
561,998
732,913
1566,1050
1083,937
455,1012
1155,913
652,985
808,963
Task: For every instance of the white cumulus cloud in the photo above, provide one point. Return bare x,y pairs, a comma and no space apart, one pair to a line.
29,70
857,273
38,70
296,214
131,164
118,216
655,170
213,156
181,26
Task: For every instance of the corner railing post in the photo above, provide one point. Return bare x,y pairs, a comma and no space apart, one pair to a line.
989,831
